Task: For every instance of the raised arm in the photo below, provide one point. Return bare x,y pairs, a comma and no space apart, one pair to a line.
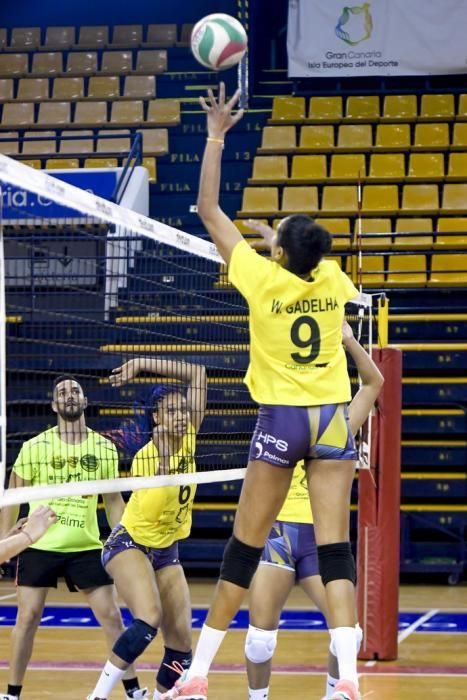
219,120
192,375
372,380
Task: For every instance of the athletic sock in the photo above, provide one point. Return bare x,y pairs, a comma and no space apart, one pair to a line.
208,643
108,680
14,690
130,685
345,645
330,685
258,694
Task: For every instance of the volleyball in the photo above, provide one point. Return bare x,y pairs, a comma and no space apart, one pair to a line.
218,41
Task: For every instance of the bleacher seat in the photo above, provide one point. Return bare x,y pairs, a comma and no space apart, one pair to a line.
454,199
13,65
459,137
407,271
6,89
25,38
454,223
54,114
9,147
127,112
81,63
155,142
269,169
93,37
59,38
336,226
3,38
392,137
90,113
115,141
243,227
309,168
116,62
18,114
164,112
77,145
319,137
33,89
259,201
151,62
374,225
161,35
151,166
437,107
101,163
414,224
367,227
288,109
431,137
142,87
325,109
448,270
428,167
363,108
457,167
185,34
39,148
462,108
278,139
127,36
418,225
339,199
62,164
299,200
446,227
387,167
103,87
347,167
420,198
399,108
354,137
372,270
380,199
47,64
68,89
32,163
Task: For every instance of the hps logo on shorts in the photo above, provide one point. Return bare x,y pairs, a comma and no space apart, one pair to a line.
358,24
265,439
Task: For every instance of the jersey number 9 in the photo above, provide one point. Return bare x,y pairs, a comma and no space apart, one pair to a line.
304,333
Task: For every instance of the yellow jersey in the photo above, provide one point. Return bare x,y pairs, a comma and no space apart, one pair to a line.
158,517
296,352
296,508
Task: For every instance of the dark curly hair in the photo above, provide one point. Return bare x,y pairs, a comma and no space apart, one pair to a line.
304,241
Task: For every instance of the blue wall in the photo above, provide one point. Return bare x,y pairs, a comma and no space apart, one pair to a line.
42,13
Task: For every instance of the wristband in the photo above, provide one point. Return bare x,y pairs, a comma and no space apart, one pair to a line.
211,139
23,532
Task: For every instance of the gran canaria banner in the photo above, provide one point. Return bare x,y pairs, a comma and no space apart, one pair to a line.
378,37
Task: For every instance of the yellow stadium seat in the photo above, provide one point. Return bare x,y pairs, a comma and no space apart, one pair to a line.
459,137
392,137
116,62
427,167
59,38
54,114
421,226
129,112
407,271
151,62
364,108
448,270
151,166
101,163
288,109
370,225
339,199
325,109
380,199
160,35
259,201
6,89
105,87
418,199
387,167
36,164
140,87
462,109
244,229
68,89
372,270
354,137
61,163
452,223
299,200
453,240
13,65
457,168
185,34
437,107
45,147
414,224
81,63
9,146
269,169
95,37
47,64
373,231
348,167
127,36
431,137
164,112
308,169
113,141
340,230
73,141
399,108
454,199
155,142
33,89
25,38
278,139
91,114
18,114
319,137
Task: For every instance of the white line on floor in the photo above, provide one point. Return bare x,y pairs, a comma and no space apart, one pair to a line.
415,625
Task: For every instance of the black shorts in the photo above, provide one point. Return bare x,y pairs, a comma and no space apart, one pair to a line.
39,568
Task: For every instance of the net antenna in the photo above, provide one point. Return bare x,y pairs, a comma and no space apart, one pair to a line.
243,66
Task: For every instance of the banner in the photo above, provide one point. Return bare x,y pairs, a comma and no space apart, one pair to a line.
378,37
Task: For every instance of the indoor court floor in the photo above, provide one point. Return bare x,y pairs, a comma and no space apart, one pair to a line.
432,662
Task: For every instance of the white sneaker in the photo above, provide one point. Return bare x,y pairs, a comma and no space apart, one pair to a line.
9,697
138,694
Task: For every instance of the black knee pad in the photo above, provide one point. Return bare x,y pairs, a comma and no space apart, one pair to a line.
134,641
336,562
172,666
240,562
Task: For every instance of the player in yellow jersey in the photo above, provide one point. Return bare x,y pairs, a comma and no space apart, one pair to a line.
298,376
290,553
141,553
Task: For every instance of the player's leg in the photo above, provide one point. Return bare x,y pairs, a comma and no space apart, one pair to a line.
175,624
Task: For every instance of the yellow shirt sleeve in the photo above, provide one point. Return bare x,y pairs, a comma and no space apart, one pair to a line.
247,269
349,290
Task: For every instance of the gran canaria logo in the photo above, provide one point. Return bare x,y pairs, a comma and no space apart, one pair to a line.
358,24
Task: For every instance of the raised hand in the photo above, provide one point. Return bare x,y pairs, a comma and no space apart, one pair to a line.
125,373
38,522
219,112
265,231
347,332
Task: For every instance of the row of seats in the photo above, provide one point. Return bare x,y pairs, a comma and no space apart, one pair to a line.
147,162
83,142
383,167
344,200
94,37
25,115
363,137
108,87
53,63
368,108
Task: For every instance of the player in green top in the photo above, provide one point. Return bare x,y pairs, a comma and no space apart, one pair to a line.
71,548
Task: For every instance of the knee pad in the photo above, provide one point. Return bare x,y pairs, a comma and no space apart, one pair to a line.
260,644
134,640
240,562
359,638
172,666
336,562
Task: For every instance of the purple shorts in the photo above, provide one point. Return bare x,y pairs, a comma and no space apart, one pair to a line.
120,540
292,546
284,435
